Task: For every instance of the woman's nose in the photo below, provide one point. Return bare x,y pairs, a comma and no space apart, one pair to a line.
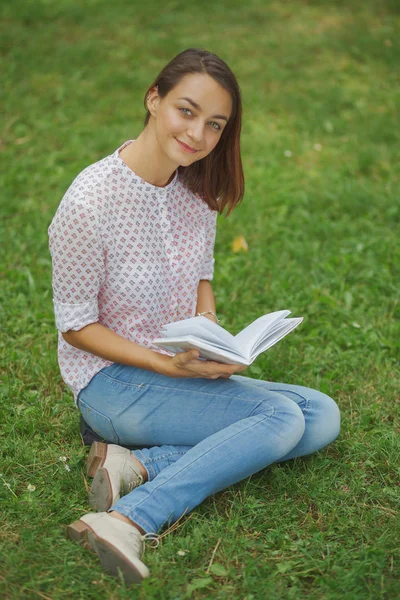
195,131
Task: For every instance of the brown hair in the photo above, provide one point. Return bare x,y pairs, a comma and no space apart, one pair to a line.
217,178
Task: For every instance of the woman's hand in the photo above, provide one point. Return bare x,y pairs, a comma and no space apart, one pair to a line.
187,364
101,341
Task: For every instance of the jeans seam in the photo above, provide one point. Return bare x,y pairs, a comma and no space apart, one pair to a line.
149,467
306,400
105,417
149,462
164,456
260,420
116,381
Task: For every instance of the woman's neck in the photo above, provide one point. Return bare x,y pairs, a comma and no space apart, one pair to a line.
148,161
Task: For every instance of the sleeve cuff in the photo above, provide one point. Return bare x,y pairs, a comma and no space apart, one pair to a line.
207,271
75,316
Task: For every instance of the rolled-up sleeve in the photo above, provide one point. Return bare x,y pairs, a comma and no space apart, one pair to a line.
207,268
78,263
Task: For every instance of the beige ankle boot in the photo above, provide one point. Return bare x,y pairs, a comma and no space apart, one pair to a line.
115,473
118,544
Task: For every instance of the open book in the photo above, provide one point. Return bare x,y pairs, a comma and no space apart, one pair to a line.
215,343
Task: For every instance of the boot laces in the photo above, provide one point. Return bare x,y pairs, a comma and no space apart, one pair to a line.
151,537
135,483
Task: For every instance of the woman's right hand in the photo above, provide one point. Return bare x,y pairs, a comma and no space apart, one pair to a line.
101,341
187,364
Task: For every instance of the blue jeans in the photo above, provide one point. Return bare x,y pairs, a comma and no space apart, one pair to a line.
199,436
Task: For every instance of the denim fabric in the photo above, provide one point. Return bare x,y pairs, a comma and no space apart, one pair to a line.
199,436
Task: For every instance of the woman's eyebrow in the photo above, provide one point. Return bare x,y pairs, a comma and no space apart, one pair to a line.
197,107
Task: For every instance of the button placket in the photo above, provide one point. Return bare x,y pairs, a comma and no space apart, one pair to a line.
168,244
171,252
168,234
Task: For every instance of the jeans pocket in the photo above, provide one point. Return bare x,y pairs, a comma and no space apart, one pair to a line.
100,423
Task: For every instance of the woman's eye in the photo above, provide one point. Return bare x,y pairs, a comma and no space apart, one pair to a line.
215,125
186,111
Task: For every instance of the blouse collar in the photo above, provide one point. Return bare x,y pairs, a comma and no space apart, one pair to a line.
123,164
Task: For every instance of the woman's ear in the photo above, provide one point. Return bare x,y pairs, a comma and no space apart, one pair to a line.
153,100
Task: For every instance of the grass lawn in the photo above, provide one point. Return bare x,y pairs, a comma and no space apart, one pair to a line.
321,149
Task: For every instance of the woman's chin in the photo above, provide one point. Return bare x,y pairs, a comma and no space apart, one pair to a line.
190,159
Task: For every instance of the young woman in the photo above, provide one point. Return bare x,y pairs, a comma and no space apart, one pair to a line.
132,247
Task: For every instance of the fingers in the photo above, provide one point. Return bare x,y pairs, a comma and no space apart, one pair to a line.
184,357
209,369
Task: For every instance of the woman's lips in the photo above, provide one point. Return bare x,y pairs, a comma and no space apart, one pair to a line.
186,148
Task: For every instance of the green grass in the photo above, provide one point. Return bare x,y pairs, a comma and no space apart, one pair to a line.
319,79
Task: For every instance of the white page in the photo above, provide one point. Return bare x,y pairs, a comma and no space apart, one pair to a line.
285,327
251,335
200,327
275,327
206,350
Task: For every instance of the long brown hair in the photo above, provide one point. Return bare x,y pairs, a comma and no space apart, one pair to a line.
217,178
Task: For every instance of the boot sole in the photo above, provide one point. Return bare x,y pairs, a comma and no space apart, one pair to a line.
100,493
96,458
115,563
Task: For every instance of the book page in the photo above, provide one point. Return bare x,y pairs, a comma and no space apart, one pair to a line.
207,351
251,335
281,329
202,328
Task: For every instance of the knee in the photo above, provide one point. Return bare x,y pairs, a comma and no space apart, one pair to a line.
293,433
326,419
297,419
332,417
288,423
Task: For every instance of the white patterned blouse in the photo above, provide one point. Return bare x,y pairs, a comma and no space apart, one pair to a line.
126,254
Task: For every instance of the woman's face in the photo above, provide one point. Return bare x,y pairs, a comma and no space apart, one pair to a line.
190,119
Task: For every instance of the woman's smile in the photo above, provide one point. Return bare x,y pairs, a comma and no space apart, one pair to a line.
186,148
